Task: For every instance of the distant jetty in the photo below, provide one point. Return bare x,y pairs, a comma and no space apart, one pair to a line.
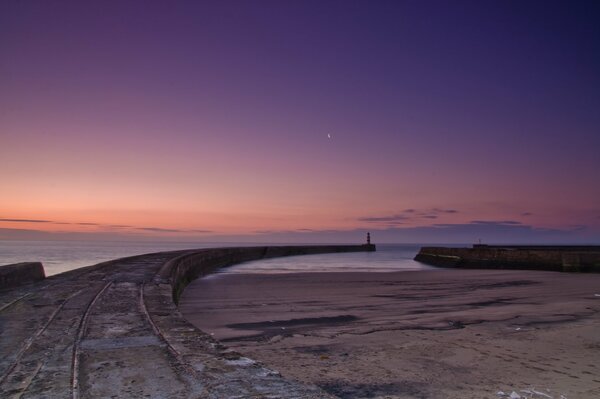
560,258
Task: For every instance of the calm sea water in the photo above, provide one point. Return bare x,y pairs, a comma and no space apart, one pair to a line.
387,258
61,256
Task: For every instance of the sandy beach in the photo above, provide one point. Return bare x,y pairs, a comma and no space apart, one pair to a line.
423,334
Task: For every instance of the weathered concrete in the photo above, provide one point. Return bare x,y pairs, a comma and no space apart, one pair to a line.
550,258
114,330
21,273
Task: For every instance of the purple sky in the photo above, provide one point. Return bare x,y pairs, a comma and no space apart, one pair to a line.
211,119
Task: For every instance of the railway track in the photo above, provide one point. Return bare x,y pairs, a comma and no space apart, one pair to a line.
27,367
28,342
77,343
14,302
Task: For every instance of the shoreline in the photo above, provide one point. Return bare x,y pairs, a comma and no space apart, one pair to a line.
412,334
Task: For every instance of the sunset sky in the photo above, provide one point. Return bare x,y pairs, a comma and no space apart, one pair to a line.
420,121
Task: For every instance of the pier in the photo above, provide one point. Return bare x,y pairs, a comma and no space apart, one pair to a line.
559,258
114,330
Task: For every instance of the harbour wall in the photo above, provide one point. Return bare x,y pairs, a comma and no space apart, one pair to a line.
21,273
180,271
549,258
123,315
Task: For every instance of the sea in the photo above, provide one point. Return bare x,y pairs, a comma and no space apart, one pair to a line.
387,258
62,256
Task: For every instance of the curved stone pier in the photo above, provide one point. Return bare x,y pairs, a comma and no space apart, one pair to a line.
114,330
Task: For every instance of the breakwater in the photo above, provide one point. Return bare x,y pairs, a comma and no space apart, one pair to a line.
550,258
21,273
114,330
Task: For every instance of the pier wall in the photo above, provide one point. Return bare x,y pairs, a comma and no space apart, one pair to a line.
180,271
550,258
21,273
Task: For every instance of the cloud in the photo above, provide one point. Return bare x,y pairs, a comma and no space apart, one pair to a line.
274,231
300,232
384,219
438,210
496,222
406,215
160,230
490,232
108,226
26,221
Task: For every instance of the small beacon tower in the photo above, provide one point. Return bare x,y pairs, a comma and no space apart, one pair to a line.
369,247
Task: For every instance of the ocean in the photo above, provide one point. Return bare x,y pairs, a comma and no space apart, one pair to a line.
61,256
387,258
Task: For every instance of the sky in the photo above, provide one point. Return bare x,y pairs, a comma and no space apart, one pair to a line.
314,121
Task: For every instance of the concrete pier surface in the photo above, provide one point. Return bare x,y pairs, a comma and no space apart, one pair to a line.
114,330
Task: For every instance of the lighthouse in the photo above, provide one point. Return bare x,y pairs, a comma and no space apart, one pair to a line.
368,246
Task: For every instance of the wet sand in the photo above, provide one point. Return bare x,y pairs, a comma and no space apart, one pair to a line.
425,334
